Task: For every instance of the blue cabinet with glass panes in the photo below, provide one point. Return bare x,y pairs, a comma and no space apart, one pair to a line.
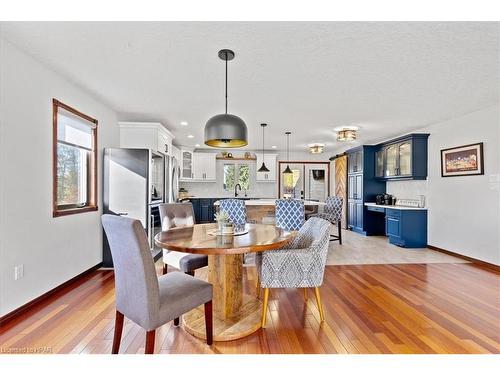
402,158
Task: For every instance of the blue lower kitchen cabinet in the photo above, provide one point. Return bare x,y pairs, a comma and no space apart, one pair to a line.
406,228
204,209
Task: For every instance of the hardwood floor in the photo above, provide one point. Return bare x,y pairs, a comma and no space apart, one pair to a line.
402,308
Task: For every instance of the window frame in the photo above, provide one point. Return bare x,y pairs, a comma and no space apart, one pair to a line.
91,204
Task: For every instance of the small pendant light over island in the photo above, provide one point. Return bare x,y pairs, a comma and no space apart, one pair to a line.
263,167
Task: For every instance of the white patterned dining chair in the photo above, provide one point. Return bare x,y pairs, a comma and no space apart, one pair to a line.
300,264
289,214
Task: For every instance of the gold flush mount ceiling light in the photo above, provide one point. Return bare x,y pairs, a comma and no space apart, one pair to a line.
316,148
347,133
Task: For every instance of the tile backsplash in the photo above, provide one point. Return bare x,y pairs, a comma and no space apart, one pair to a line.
410,189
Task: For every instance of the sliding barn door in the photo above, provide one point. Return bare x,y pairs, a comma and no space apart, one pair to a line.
341,184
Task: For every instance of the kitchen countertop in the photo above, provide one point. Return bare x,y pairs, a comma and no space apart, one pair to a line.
395,207
272,202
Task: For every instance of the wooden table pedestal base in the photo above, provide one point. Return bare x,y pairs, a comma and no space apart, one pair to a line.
245,322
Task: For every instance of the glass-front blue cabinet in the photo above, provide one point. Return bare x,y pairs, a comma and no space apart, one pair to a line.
402,158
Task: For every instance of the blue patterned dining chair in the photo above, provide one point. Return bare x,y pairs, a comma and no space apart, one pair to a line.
236,210
290,214
332,212
299,264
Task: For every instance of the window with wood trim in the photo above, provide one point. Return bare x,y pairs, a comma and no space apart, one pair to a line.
74,161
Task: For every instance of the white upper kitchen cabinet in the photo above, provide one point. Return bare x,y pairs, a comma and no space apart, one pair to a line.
152,135
270,160
187,164
204,166
176,153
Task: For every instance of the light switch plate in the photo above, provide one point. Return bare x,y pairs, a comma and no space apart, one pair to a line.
18,272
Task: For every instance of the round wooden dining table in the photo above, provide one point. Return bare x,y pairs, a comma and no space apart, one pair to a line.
236,314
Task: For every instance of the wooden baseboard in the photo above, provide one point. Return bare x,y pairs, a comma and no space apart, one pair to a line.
14,313
492,266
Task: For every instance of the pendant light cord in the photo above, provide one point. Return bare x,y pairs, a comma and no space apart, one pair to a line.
288,147
226,83
263,143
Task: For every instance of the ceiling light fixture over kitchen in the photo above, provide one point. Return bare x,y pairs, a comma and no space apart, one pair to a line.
316,148
347,133
226,130
263,167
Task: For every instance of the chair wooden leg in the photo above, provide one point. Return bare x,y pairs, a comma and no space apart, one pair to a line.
339,226
320,305
209,322
305,294
165,268
264,307
257,287
176,322
150,342
118,332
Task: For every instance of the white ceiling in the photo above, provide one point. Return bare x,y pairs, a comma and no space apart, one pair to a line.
388,78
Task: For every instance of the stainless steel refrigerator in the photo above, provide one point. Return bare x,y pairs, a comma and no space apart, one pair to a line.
135,183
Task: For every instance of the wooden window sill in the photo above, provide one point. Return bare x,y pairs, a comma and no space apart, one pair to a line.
73,211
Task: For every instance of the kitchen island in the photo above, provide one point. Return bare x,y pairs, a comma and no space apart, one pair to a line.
263,210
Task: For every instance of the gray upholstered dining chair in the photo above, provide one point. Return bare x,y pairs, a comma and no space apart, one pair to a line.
143,297
300,264
174,215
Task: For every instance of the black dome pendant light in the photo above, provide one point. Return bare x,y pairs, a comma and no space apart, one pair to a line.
226,130
287,170
263,167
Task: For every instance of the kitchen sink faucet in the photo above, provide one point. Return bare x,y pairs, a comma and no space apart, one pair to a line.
235,189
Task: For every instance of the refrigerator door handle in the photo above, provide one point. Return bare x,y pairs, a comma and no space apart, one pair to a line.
151,232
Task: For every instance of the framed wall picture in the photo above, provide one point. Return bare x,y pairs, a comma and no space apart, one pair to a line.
462,161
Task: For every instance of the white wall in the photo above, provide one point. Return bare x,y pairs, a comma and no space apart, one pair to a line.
52,250
257,189
464,212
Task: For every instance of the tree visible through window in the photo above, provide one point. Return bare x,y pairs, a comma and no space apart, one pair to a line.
236,172
75,161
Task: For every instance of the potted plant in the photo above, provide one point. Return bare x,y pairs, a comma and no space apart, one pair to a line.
221,218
